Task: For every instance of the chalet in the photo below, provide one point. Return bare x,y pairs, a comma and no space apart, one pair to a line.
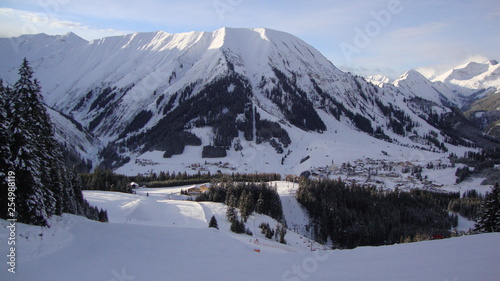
197,191
194,191
134,185
203,188
391,175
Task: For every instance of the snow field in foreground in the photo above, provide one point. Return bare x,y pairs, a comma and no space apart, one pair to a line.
141,242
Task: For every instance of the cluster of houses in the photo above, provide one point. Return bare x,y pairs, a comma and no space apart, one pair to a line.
196,190
383,173
145,162
204,167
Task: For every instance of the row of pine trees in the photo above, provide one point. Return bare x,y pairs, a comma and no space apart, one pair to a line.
354,215
45,186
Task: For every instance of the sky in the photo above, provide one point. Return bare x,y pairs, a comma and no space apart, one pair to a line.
365,37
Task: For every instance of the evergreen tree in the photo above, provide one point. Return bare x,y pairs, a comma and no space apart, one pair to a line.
35,203
266,230
259,207
231,201
213,223
243,205
489,220
29,149
250,204
5,158
74,196
103,215
231,214
237,226
280,233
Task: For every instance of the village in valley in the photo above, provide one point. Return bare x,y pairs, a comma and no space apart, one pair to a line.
384,174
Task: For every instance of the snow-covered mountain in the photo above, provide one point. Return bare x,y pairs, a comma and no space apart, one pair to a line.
473,75
459,86
234,94
415,84
472,87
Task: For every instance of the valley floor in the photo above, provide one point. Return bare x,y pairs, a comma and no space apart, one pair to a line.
155,236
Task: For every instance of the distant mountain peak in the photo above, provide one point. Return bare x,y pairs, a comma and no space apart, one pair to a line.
414,84
412,73
73,38
493,62
378,79
411,76
473,75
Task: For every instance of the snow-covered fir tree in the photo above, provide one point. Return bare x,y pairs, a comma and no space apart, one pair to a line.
44,186
231,214
5,137
35,202
489,220
213,223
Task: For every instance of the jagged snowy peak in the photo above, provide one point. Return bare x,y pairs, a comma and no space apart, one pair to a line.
473,75
378,80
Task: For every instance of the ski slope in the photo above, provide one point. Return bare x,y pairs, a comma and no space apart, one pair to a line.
154,236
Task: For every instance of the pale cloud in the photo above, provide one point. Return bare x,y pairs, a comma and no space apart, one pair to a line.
42,21
18,22
424,30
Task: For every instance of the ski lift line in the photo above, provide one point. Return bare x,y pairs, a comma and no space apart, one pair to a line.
281,247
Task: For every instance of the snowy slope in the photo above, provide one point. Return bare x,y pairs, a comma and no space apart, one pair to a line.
338,144
72,134
148,246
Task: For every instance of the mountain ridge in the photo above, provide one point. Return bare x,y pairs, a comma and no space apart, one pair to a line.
220,91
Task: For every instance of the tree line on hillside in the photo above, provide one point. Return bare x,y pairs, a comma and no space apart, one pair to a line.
107,180
354,215
248,197
481,163
278,233
468,205
167,179
29,153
